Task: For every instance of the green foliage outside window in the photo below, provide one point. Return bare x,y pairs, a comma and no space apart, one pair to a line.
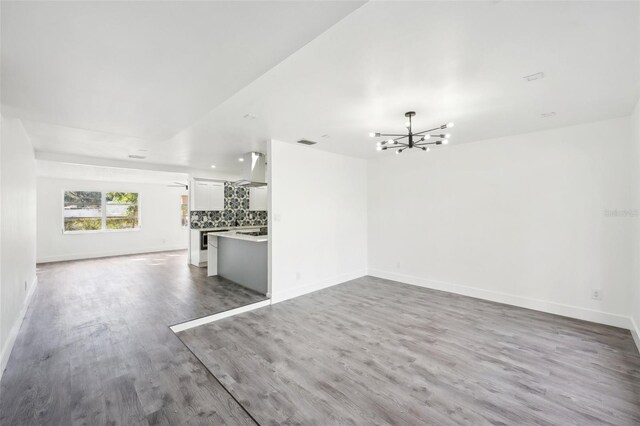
122,210
83,210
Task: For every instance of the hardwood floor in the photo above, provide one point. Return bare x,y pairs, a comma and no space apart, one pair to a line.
95,347
373,351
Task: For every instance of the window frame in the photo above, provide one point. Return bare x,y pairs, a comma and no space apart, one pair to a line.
103,211
187,223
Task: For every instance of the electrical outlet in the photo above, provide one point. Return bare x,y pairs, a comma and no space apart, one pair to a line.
596,294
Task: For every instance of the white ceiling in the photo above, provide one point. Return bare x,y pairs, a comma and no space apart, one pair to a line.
55,169
108,78
449,61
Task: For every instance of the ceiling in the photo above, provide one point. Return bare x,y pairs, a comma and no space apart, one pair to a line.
113,78
190,86
59,170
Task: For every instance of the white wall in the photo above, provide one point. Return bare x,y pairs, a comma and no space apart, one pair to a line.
17,230
318,219
160,227
635,289
520,219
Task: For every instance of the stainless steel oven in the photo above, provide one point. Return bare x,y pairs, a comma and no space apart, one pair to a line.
204,237
203,240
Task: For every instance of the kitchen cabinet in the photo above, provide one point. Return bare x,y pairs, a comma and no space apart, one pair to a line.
258,198
207,195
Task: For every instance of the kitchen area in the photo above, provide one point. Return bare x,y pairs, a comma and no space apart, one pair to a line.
229,225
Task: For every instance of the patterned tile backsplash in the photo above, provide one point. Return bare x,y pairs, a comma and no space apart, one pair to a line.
236,208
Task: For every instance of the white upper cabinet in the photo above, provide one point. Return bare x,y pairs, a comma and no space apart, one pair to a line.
207,195
258,198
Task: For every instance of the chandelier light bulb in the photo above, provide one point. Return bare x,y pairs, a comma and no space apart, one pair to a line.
447,136
428,149
446,141
379,148
427,137
372,135
398,151
407,124
379,143
449,125
390,141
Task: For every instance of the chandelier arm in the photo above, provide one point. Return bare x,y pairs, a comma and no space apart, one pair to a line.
392,134
395,146
429,143
426,131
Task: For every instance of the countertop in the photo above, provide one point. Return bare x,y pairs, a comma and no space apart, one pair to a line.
230,228
233,234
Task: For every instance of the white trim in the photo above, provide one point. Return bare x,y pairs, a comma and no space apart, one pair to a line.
128,164
216,317
96,255
15,329
319,285
510,299
635,333
101,231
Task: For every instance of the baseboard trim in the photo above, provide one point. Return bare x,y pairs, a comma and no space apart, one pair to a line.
217,317
510,299
316,286
635,333
98,255
15,329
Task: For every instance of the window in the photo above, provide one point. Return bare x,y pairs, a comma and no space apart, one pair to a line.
82,211
122,210
100,211
185,210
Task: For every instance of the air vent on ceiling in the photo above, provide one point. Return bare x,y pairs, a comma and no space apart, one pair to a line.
533,77
137,157
307,142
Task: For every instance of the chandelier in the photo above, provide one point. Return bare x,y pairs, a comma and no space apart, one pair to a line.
420,140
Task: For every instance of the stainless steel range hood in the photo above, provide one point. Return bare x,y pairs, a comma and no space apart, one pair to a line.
254,169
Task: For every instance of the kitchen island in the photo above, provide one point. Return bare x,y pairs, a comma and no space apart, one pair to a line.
240,256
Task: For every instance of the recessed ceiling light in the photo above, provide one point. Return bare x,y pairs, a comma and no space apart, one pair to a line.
536,76
137,157
325,136
250,116
307,142
548,114
241,159
213,166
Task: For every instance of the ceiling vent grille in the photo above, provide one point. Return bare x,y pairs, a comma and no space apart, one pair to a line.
307,142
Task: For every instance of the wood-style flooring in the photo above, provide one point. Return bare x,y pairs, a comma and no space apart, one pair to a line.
95,347
373,351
